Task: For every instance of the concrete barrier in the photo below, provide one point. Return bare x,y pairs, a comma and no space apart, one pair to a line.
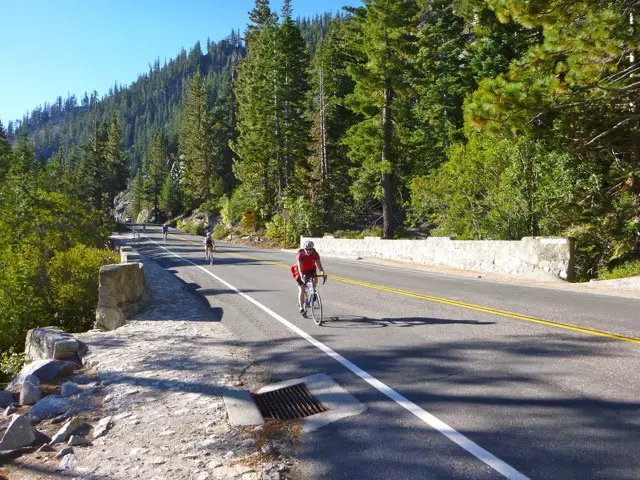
535,257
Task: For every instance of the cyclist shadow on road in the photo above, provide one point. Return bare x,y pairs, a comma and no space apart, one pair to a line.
355,321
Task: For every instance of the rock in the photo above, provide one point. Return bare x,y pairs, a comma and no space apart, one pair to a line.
103,427
109,318
270,449
66,430
30,393
78,441
41,438
209,443
6,398
214,464
272,472
61,418
46,448
68,389
64,452
33,379
48,407
9,410
19,434
67,462
45,370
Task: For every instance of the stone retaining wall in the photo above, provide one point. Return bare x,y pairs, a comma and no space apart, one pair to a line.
122,293
530,257
51,343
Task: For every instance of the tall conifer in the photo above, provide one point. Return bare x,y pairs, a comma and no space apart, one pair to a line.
196,145
385,40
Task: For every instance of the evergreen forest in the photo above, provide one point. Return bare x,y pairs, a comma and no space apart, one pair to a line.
479,119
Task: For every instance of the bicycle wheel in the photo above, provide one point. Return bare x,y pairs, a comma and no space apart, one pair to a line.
316,308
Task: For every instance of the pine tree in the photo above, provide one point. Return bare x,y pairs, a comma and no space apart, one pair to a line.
330,120
24,158
385,43
6,153
157,169
257,144
116,168
292,87
444,80
196,145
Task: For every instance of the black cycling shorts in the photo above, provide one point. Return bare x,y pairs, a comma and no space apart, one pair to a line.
308,272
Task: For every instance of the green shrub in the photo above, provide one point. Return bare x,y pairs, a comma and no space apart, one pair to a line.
628,269
232,209
22,294
220,232
74,279
372,232
193,228
285,233
11,362
353,234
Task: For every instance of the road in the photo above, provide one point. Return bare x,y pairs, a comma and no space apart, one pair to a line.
462,377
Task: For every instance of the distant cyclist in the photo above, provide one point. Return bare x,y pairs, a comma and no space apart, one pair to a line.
308,260
209,245
165,231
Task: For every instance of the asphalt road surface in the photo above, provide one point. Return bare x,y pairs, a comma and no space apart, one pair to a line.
463,378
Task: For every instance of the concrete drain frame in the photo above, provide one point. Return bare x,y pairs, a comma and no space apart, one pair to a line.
242,409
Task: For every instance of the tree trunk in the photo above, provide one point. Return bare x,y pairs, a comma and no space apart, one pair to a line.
387,183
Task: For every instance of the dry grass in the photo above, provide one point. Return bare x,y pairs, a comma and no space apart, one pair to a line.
284,432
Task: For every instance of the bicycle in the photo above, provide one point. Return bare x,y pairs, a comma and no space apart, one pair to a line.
312,298
209,254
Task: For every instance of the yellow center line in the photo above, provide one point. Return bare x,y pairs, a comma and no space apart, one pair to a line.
470,306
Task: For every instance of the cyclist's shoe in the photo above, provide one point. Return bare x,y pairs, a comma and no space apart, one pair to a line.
303,312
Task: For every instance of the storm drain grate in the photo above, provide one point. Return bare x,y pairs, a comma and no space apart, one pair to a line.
288,403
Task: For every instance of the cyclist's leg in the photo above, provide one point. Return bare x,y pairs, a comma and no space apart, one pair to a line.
301,293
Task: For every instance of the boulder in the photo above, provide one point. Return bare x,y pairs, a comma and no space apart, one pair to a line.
109,318
6,398
104,425
45,370
30,393
19,434
67,429
48,407
68,389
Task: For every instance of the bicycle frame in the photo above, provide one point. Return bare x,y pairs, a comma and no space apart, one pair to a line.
312,297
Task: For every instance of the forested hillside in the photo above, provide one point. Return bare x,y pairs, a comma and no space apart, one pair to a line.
492,119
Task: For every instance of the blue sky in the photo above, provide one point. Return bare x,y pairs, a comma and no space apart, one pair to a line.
54,48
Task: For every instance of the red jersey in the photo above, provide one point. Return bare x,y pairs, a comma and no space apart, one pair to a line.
308,262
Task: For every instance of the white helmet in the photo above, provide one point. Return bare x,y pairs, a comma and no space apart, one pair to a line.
208,234
307,244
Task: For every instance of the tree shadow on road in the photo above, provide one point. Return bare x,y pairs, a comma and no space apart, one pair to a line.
355,321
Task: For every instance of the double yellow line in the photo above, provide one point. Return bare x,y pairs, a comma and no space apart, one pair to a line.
470,306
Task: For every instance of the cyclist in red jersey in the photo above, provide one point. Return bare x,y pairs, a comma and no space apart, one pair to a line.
308,260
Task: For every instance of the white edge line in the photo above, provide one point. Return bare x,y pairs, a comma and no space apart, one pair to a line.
456,437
